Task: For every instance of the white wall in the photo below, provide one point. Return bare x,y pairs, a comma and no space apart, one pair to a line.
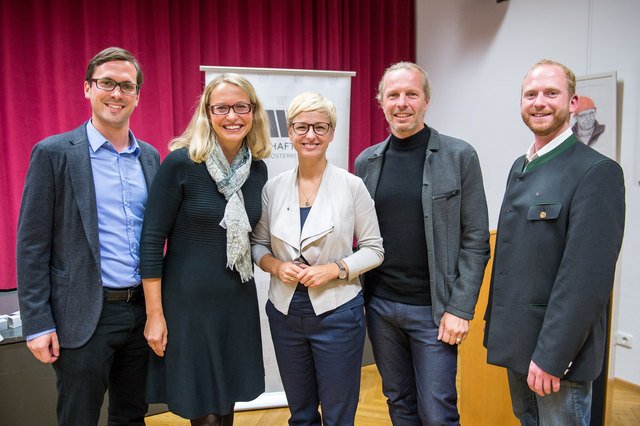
477,53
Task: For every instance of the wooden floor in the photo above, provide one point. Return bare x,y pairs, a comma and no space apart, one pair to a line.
626,404
372,409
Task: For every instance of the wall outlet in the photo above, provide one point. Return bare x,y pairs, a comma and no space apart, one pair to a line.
624,339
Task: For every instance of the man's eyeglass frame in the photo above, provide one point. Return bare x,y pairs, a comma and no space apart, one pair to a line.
116,84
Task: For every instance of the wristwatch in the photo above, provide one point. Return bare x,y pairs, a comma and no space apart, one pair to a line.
342,274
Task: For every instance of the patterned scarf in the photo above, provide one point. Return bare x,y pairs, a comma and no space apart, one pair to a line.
230,179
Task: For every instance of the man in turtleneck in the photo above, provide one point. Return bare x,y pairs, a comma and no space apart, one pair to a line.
433,219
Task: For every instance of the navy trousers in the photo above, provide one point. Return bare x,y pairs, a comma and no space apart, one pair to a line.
114,358
319,358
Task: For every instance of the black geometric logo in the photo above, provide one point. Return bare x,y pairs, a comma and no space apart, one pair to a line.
277,123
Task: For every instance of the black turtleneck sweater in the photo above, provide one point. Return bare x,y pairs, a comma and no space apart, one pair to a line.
404,275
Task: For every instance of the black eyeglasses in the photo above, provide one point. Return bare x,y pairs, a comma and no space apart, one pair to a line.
242,108
319,128
109,85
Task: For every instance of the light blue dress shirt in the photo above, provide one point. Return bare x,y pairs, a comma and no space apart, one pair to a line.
121,197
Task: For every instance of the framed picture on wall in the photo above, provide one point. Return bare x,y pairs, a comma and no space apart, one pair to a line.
594,122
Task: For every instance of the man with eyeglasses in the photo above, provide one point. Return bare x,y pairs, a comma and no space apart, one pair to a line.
433,219
79,289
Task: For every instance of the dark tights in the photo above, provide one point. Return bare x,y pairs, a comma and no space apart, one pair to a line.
215,419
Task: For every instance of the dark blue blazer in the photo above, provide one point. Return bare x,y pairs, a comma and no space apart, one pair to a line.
58,252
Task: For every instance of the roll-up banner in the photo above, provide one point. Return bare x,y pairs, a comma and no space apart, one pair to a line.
275,89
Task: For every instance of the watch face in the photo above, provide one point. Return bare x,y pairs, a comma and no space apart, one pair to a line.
342,274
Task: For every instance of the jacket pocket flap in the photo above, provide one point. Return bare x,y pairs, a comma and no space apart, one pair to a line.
544,211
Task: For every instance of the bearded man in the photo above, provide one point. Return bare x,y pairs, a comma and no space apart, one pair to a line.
559,235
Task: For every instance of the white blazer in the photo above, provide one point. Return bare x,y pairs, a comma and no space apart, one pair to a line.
342,210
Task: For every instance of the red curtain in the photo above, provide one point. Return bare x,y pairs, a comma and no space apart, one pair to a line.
45,47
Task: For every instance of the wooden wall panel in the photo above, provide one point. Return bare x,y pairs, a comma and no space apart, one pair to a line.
483,389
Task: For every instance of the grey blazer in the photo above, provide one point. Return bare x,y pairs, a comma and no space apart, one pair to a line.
456,224
58,253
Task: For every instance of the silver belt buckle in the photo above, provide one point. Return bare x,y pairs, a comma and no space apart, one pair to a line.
131,293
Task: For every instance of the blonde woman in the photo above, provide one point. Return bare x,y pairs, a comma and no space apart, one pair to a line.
202,309
310,217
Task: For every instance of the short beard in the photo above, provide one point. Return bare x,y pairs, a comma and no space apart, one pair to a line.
559,120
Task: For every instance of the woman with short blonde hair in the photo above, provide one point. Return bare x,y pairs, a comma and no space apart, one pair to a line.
310,217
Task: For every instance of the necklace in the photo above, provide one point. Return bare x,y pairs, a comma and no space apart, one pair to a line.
307,198
306,203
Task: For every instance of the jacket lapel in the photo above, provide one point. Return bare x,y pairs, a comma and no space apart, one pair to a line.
148,167
83,188
373,170
320,220
285,224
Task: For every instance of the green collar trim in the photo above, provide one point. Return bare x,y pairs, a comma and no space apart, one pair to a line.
537,162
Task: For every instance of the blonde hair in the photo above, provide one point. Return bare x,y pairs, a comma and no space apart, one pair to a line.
571,77
312,101
199,136
410,66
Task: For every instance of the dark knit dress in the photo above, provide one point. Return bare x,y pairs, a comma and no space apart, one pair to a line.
214,350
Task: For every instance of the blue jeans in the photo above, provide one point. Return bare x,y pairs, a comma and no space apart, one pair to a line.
319,358
570,406
418,371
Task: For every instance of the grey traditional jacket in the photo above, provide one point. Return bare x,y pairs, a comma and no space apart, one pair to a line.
559,235
456,223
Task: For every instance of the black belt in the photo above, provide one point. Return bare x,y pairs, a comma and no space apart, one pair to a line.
128,295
